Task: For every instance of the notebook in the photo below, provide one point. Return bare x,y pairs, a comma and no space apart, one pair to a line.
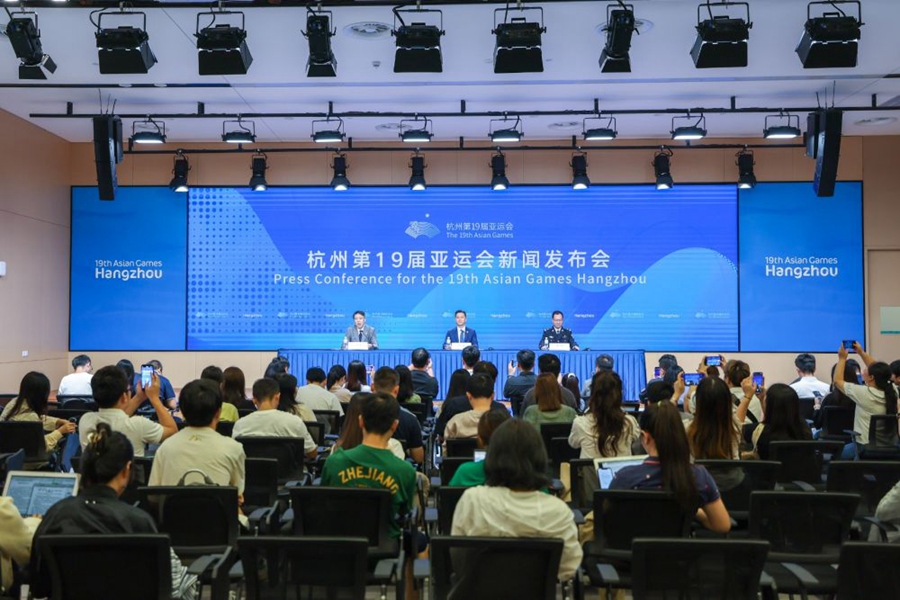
34,492
608,467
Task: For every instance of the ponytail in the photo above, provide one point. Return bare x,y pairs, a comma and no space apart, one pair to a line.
106,454
663,422
881,375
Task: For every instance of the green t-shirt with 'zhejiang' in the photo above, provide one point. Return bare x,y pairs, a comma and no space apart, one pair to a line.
369,467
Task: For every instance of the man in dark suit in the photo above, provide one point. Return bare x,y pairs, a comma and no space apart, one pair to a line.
518,385
460,333
360,332
557,334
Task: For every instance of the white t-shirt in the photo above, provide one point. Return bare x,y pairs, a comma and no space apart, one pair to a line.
805,386
76,384
139,430
318,398
754,408
501,512
203,448
274,423
869,401
584,436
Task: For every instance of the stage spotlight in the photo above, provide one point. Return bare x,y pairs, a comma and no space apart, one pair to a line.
746,177
417,179
418,44
339,182
786,130
148,132
507,130
416,131
518,45
661,169
695,131
240,133
620,26
179,181
258,166
25,37
604,131
124,49
321,61
222,49
721,39
498,167
831,40
328,131
580,179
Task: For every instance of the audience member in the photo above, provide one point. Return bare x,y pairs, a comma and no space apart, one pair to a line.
277,365
549,407
782,421
15,542
199,446
408,430
518,385
658,391
372,464
604,362
470,356
808,385
77,383
715,431
888,510
424,382
669,468
357,376
314,394
166,391
471,473
110,390
268,421
836,397
128,368
713,372
216,375
736,372
460,404
352,432
480,393
213,373
336,383
406,395
570,382
895,372
31,405
105,474
549,363
665,363
287,385
458,381
234,389
512,503
605,430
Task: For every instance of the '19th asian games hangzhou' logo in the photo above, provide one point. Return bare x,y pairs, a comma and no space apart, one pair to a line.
419,228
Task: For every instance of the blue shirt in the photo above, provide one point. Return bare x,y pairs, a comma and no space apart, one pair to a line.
166,391
648,476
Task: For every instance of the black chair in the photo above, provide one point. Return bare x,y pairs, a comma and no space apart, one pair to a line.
243,412
225,428
558,452
331,419
883,439
804,462
870,479
583,482
868,571
87,567
289,452
461,447
805,530
316,432
482,568
260,483
11,461
27,436
80,402
621,516
336,566
807,408
200,519
418,409
722,569
759,475
554,430
445,501
836,422
140,477
449,466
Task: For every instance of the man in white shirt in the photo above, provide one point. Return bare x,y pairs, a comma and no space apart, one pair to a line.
268,421
110,392
79,382
199,445
808,384
314,394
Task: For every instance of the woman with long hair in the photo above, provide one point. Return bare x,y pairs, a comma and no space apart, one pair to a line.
836,397
287,402
351,430
406,395
457,386
234,389
604,430
357,377
781,421
548,406
336,383
31,405
669,468
277,365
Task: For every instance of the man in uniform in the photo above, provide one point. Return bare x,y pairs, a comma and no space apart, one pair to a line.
557,334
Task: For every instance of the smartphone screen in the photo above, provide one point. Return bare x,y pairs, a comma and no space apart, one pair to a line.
758,379
713,361
479,455
848,344
692,378
146,376
657,373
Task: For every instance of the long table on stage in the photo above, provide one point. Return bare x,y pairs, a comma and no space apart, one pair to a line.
628,364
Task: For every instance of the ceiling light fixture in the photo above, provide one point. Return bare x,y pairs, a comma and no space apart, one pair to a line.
148,131
721,39
604,132
744,162
662,169
620,26
832,39
419,43
580,180
179,181
328,131
499,181
258,166
786,130
507,130
242,134
321,61
339,182
123,49
417,166
222,49
25,37
695,131
416,131
518,44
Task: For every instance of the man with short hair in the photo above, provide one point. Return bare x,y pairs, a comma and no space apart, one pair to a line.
424,383
549,363
360,332
604,362
470,356
387,381
110,392
460,404
480,394
314,394
166,391
199,446
77,383
666,362
460,334
808,386
268,421
518,385
372,464
557,334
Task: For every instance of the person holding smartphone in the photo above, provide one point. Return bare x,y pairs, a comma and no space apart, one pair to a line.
808,384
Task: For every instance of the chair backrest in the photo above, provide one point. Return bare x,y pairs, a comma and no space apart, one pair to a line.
69,401
288,451
316,431
870,479
482,567
225,428
140,476
554,430
336,564
24,435
243,412
449,466
883,432
802,523
759,475
418,409
583,482
87,567
345,512
260,482
11,461
559,451
667,568
868,571
803,460
461,447
620,516
331,419
445,500
807,408
837,419
200,519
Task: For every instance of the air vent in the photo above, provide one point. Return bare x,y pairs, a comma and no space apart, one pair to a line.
368,30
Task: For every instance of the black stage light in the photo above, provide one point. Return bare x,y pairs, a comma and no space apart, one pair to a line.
746,177
580,179
416,131
695,131
328,131
508,130
148,131
222,49
721,39
339,182
831,40
418,44
605,130
786,130
258,167
417,179
25,37
124,49
179,181
499,181
518,45
661,169
620,26
241,133
321,61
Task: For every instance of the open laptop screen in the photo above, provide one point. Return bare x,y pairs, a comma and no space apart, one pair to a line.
34,493
608,467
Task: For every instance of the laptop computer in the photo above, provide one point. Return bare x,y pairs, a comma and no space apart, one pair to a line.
608,467
34,492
